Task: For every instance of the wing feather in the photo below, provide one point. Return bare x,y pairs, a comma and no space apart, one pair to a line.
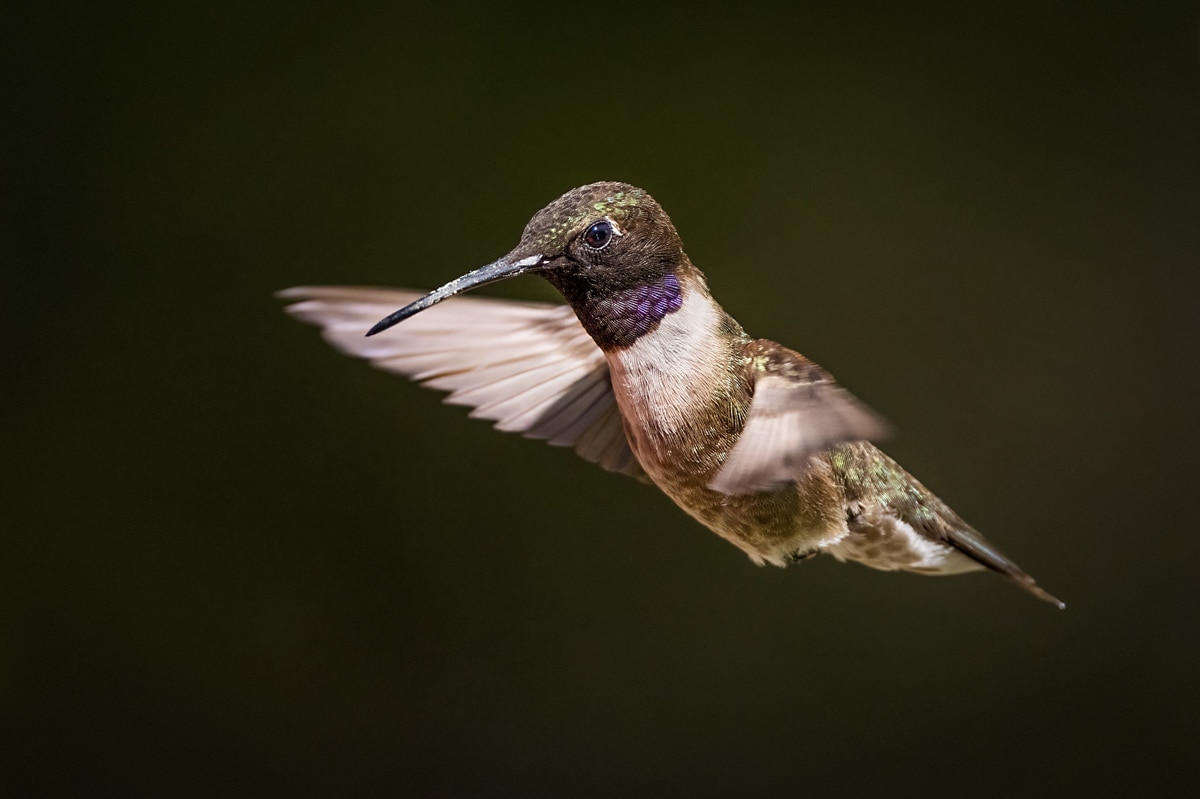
530,367
797,411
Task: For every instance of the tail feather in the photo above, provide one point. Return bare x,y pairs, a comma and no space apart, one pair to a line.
975,546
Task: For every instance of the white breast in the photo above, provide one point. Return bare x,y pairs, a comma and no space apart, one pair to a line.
664,377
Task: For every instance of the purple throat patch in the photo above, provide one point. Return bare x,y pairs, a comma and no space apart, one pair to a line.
631,313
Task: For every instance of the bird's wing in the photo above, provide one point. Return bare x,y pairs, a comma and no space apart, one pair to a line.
797,411
530,367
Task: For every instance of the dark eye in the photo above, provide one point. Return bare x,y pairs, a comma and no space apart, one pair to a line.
598,235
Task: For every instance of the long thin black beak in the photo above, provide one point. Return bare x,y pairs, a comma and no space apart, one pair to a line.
497,270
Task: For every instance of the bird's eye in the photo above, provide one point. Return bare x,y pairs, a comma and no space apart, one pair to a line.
598,235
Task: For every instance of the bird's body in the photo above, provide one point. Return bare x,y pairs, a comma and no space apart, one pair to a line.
651,377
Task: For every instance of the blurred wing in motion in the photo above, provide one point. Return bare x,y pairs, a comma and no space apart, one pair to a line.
529,367
797,411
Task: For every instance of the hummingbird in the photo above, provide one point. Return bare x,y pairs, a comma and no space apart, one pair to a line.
645,374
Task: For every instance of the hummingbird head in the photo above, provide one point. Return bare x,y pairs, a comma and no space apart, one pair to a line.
608,247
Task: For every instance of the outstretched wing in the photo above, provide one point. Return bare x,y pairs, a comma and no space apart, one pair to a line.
797,411
529,367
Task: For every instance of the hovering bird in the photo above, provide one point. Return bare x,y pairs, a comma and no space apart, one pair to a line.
643,373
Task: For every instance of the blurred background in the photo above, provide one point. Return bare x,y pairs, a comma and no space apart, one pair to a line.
234,561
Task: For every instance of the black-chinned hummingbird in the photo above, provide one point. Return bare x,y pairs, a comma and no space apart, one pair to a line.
644,373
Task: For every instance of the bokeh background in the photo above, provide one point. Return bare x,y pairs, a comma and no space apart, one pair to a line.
235,562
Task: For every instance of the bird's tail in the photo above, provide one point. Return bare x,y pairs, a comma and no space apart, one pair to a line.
966,540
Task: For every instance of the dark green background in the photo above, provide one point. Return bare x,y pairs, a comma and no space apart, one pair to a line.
234,561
